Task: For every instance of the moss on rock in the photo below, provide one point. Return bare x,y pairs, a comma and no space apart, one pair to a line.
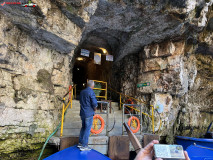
44,77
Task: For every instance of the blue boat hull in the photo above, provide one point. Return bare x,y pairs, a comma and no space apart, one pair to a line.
197,152
73,153
187,141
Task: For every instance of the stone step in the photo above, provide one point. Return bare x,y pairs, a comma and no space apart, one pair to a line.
71,132
72,121
76,104
100,148
76,125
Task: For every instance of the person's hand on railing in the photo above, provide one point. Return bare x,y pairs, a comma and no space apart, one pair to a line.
147,153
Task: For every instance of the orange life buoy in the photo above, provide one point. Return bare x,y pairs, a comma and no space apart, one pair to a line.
127,110
138,124
95,119
70,94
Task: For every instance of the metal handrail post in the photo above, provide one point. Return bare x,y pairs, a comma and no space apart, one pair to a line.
107,125
105,89
71,98
106,92
141,119
75,91
62,118
107,133
123,119
153,120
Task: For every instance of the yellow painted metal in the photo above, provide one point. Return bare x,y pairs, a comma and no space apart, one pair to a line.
100,96
75,90
67,106
102,89
71,98
106,92
151,116
153,119
138,111
99,81
64,108
99,89
62,118
127,96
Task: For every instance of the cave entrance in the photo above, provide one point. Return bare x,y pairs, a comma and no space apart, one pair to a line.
85,68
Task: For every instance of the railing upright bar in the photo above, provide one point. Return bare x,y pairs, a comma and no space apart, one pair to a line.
62,118
106,92
71,98
75,91
127,96
153,120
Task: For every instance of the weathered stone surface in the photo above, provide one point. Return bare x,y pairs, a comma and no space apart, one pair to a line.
161,82
164,49
155,64
162,99
33,71
174,74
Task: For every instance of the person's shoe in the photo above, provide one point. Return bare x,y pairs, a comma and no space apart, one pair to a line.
85,148
79,145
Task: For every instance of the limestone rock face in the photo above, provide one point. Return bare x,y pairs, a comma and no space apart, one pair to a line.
36,48
180,82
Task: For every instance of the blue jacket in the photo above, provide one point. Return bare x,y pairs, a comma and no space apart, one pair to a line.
88,103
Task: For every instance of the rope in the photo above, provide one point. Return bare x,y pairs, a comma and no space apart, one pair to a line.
114,120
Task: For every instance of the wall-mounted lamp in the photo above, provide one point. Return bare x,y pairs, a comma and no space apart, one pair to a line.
79,59
104,50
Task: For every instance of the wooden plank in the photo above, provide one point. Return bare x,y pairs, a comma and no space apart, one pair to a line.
147,138
118,148
135,142
98,140
140,138
66,142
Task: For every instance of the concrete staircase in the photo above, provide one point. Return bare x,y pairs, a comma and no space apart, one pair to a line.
72,126
72,121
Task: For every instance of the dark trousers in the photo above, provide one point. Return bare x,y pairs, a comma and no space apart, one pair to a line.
85,130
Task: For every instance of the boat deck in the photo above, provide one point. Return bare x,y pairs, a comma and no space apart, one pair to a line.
75,154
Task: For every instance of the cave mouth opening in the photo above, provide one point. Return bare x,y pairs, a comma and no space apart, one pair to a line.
86,68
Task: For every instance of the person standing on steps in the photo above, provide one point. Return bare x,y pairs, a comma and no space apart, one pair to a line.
89,105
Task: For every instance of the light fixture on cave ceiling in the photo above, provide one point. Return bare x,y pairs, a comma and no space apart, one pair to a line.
104,50
79,58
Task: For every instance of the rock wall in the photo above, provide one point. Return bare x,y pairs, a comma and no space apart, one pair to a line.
36,50
178,79
178,67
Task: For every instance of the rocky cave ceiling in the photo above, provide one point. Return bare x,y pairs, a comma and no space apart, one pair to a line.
122,28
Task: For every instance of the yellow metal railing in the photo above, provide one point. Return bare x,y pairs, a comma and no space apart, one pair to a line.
151,116
101,89
73,90
64,107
